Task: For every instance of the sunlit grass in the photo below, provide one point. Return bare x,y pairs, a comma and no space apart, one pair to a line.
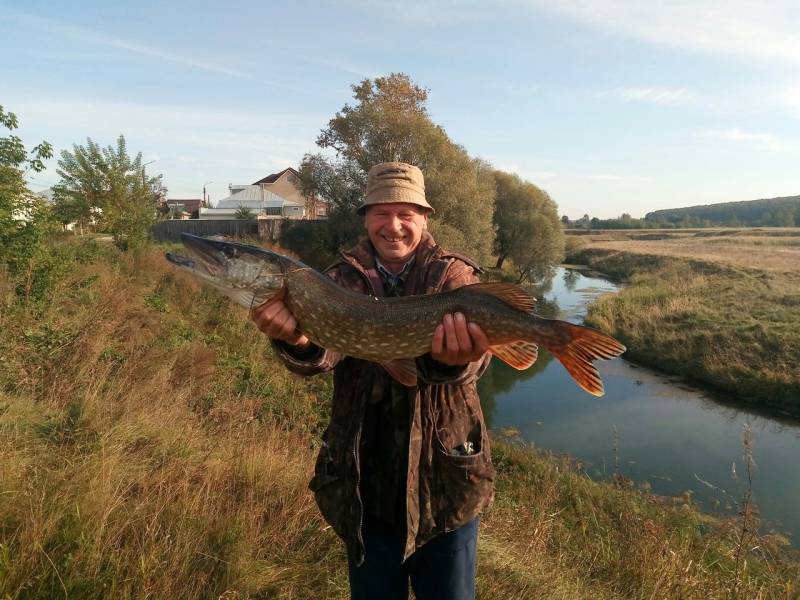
152,447
735,328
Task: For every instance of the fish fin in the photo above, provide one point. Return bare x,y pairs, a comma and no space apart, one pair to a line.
583,346
520,354
403,370
241,297
511,294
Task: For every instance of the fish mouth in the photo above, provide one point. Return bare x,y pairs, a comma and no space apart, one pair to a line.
207,254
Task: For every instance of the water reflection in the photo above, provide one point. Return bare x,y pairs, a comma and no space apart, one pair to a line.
500,378
654,429
571,278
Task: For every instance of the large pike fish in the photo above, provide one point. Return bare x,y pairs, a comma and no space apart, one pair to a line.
393,331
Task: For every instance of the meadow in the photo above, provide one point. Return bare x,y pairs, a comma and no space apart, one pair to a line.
720,306
151,446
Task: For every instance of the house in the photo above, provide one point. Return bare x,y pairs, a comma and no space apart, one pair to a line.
276,196
285,183
260,202
187,208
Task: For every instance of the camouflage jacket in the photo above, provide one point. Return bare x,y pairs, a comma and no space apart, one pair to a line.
444,490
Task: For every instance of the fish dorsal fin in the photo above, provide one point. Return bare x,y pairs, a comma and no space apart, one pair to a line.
511,294
519,355
403,370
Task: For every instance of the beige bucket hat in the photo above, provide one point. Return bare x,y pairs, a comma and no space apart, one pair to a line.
395,182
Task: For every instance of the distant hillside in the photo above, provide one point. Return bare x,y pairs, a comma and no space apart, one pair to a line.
772,212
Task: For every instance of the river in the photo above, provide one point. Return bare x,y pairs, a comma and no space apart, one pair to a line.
656,430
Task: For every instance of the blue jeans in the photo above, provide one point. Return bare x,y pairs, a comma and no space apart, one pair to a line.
443,569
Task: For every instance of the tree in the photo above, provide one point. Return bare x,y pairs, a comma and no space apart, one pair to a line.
108,183
245,213
389,121
25,220
341,183
529,231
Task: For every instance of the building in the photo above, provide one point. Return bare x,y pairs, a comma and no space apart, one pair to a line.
276,196
262,203
187,208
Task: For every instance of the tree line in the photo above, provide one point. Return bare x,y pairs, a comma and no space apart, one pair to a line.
773,212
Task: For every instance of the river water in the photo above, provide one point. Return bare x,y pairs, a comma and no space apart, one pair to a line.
653,429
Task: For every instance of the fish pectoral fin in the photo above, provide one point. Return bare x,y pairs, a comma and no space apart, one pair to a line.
403,370
511,294
519,355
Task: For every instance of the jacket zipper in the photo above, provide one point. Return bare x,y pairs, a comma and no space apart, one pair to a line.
359,535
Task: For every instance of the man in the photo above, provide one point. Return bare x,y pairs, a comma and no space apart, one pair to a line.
403,472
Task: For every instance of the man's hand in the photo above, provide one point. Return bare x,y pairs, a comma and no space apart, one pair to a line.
274,319
456,342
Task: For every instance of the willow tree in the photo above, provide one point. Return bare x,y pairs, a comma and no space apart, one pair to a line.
529,231
389,121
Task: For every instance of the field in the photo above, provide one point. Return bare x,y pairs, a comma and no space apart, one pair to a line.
721,307
152,447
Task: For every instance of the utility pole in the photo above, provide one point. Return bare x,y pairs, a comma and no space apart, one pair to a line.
205,205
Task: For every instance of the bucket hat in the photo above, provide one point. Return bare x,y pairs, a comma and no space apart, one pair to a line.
395,182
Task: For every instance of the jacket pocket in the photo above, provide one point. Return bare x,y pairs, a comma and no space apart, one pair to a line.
464,481
333,494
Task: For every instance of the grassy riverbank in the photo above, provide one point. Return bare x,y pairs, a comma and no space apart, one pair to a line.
151,446
721,307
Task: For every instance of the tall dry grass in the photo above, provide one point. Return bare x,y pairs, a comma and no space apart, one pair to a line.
152,447
732,328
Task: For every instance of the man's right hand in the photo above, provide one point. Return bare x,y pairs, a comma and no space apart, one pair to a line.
274,319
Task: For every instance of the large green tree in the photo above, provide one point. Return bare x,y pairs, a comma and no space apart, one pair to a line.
388,121
529,231
25,219
111,186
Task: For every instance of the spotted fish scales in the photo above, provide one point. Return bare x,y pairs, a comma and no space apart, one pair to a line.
393,331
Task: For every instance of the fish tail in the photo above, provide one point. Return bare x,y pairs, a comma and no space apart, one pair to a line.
582,346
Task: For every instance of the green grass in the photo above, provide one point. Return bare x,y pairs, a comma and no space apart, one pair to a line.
158,449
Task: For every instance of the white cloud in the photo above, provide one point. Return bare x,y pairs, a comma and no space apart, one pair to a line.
737,135
664,96
787,97
743,28
83,34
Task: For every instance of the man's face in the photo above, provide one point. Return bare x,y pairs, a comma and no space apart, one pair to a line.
395,230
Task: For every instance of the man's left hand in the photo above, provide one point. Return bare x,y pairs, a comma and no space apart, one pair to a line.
456,342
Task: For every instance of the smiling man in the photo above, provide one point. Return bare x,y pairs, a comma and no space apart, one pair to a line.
403,472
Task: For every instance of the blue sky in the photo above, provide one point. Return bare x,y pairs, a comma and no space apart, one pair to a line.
611,106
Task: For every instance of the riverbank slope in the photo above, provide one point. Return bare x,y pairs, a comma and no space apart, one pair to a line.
153,446
720,307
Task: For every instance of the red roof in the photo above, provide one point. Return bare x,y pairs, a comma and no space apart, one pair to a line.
275,176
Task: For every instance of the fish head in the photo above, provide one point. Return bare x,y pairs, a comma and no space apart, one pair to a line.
248,274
